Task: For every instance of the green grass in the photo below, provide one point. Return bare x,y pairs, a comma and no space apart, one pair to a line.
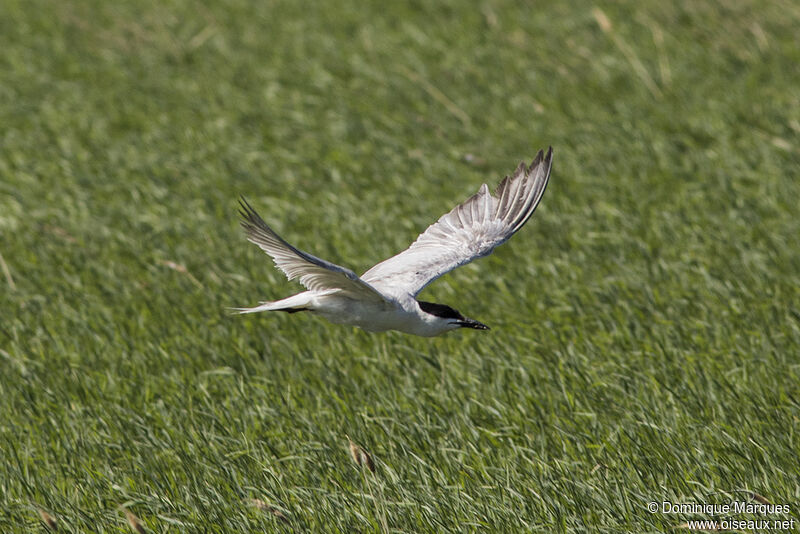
645,323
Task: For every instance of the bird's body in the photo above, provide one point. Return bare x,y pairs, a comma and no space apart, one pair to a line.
384,298
400,314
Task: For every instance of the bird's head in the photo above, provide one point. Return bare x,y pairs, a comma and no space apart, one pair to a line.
449,317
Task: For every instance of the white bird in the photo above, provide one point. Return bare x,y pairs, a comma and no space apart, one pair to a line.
384,298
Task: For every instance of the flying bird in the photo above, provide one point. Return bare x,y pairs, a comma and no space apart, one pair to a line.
384,298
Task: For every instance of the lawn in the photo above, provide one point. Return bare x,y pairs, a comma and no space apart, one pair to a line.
645,341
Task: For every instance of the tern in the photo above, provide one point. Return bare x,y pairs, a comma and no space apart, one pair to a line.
384,298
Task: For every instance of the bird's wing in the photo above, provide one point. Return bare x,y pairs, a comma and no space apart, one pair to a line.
471,230
314,273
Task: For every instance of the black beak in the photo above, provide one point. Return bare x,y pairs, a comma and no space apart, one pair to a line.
471,323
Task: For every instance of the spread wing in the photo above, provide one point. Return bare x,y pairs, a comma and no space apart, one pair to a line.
314,273
471,230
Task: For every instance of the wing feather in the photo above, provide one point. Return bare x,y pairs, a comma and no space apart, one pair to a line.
469,231
314,273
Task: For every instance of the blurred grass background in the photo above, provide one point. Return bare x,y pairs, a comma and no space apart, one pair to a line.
646,326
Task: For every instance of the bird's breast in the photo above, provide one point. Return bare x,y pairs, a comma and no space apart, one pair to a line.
373,317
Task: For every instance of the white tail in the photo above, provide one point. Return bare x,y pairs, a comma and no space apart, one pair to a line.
295,303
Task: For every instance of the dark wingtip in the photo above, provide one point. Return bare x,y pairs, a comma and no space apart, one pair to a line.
548,161
246,210
243,206
537,160
249,216
542,157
